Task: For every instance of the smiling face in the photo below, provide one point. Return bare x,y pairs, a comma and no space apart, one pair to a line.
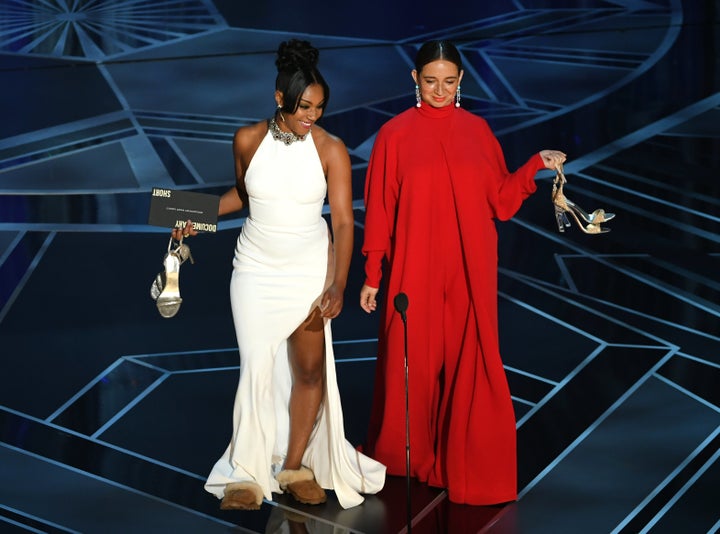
438,82
309,110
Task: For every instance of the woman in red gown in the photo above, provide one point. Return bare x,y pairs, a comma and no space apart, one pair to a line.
436,181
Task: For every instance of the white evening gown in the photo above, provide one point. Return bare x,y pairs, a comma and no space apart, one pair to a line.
280,270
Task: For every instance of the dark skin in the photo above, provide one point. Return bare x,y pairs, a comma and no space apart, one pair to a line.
306,345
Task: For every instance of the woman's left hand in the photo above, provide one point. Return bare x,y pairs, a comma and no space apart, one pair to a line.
331,302
553,159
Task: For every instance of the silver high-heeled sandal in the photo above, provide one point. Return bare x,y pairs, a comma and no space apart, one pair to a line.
165,289
563,205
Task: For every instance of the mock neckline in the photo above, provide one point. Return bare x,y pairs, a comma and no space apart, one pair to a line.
426,110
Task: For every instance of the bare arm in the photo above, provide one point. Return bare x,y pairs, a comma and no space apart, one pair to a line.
245,142
339,179
230,202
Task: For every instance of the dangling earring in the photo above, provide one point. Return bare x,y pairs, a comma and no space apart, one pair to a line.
417,96
278,110
457,97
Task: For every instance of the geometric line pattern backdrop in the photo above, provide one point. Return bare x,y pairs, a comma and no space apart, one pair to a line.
611,343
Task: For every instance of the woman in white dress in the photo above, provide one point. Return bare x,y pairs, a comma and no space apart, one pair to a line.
289,276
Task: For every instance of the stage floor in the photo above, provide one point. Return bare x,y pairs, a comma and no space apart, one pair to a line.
111,416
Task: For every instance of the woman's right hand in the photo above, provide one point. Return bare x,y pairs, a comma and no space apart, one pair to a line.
182,232
367,298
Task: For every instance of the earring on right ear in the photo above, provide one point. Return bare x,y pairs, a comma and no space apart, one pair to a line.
417,96
457,97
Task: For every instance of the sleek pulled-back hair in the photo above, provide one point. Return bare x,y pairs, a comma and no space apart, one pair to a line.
434,50
297,69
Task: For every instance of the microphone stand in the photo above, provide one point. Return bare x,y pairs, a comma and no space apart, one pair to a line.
401,304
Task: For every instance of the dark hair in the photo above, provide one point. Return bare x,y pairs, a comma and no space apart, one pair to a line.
434,50
297,69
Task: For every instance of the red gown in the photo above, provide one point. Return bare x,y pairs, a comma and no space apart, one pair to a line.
436,181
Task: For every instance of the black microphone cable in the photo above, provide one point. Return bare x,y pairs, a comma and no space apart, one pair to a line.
401,304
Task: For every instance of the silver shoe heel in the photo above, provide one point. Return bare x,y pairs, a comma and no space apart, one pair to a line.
165,289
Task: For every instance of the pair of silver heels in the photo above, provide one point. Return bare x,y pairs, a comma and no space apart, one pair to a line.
591,222
165,289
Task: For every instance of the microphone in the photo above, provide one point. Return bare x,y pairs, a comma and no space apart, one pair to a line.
401,305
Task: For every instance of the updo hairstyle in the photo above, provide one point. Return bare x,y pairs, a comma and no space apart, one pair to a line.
435,50
297,69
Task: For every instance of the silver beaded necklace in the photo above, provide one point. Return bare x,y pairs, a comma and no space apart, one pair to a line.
287,138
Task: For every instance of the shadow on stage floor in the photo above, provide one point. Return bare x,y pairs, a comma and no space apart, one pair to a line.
111,416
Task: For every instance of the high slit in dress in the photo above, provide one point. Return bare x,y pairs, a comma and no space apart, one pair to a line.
282,264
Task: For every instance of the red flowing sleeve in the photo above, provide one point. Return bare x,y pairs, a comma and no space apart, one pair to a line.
512,188
381,193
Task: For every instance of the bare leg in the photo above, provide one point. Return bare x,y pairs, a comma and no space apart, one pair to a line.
306,349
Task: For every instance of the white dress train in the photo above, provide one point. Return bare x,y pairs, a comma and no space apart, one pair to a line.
282,262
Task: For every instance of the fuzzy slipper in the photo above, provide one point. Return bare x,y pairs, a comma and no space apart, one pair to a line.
301,484
242,496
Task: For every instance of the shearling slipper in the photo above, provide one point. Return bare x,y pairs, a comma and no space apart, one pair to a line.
242,496
301,484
